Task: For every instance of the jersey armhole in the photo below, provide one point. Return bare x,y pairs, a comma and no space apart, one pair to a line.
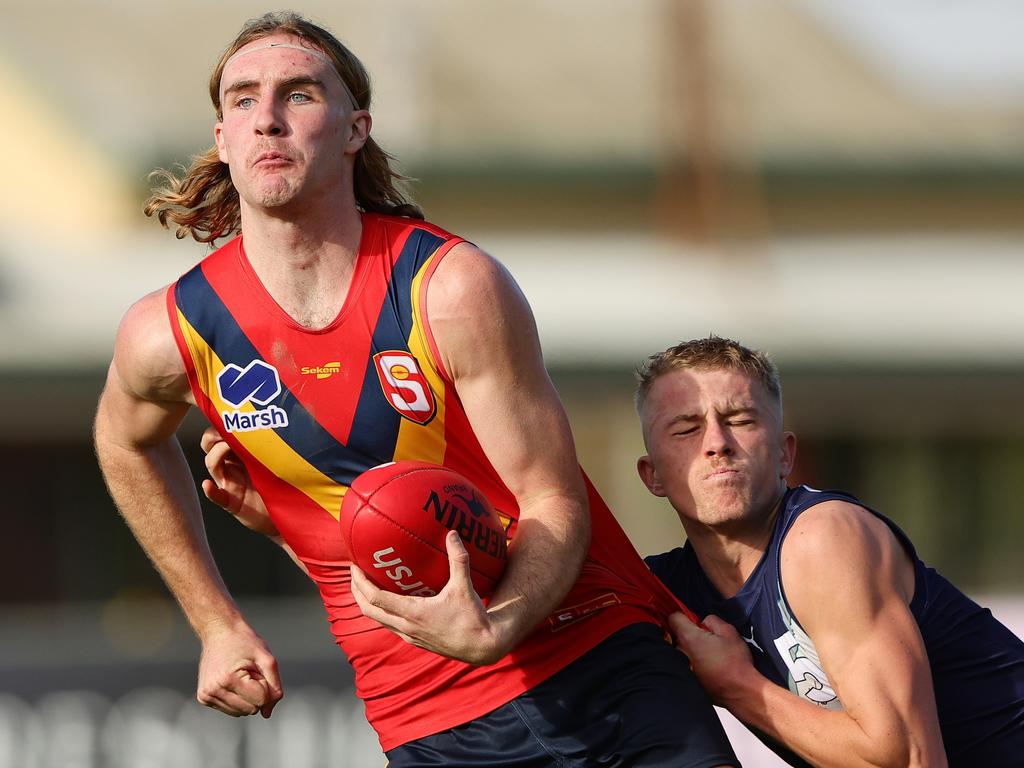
789,615
175,318
784,607
428,334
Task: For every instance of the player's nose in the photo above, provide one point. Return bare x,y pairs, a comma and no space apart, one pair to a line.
717,441
269,119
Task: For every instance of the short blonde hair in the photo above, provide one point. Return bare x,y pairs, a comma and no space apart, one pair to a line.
711,353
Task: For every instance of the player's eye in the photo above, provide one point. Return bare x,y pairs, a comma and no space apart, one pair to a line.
246,102
740,422
298,97
684,432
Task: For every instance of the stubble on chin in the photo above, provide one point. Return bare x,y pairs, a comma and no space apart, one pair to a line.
273,193
275,199
722,505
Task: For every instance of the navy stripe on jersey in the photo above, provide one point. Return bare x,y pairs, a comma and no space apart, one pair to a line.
375,425
205,311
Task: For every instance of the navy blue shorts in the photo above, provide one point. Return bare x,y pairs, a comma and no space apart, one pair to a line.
631,701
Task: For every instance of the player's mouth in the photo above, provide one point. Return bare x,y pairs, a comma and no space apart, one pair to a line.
723,473
271,160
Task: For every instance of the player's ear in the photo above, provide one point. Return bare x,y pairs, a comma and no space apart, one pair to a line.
361,123
218,138
649,475
788,454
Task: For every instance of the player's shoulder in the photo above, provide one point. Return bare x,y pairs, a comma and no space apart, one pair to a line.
836,536
480,319
466,260
146,353
836,514
469,276
462,270
827,524
147,315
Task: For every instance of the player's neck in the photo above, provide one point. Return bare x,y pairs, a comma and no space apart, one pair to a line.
300,236
305,260
726,562
728,554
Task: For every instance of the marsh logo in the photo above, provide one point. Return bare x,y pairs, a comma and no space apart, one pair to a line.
257,383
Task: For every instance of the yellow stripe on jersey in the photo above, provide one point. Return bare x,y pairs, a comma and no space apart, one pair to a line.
264,444
423,442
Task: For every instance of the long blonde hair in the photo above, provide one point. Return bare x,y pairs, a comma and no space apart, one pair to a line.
203,202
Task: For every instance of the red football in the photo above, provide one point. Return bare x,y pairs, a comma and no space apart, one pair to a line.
394,520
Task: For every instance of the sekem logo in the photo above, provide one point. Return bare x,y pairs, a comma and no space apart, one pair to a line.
324,371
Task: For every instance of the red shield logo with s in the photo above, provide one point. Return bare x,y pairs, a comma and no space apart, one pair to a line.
405,387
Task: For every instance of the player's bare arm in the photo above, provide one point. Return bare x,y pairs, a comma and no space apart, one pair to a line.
487,338
144,401
849,583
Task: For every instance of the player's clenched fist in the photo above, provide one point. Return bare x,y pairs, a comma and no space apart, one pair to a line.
718,656
237,672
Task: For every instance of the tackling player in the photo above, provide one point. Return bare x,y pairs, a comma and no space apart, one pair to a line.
829,636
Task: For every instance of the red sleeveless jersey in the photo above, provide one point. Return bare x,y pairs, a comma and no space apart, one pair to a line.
307,411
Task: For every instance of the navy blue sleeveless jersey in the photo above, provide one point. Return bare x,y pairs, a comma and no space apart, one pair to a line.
977,664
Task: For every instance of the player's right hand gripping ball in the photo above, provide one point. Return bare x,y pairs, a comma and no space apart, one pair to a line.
394,520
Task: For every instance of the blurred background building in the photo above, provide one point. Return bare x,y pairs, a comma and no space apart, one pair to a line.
839,184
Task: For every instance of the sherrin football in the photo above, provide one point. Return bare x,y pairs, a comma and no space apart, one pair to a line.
394,519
